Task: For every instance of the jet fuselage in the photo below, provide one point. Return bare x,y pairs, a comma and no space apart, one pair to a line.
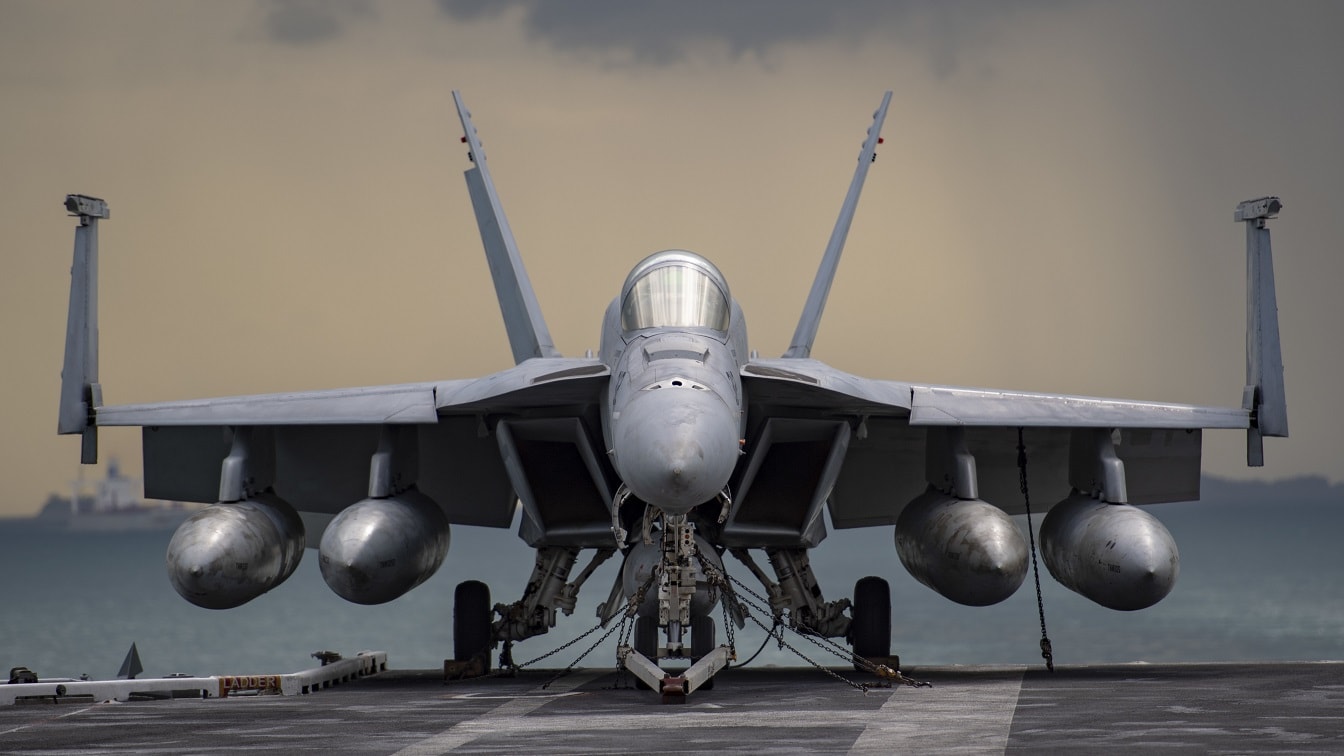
675,342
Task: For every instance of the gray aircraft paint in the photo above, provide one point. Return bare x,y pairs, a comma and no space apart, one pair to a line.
559,436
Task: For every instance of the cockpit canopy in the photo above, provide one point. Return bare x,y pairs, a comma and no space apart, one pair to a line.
675,288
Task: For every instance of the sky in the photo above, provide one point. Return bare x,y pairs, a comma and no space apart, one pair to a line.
1051,210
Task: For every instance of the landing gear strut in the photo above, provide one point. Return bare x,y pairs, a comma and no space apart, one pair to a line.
677,575
798,592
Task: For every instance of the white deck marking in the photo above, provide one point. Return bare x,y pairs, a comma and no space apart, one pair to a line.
514,709
965,716
972,715
48,719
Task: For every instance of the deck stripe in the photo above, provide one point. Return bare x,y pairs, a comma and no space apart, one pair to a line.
964,716
512,710
972,715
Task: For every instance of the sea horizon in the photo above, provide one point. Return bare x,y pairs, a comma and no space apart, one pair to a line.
1259,582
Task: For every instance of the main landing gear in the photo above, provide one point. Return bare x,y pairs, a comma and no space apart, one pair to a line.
670,584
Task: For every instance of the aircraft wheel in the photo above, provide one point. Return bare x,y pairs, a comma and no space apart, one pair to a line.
870,629
471,621
646,642
702,643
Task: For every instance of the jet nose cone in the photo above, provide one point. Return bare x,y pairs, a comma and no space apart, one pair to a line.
676,447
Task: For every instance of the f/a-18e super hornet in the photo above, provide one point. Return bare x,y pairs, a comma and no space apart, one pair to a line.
675,445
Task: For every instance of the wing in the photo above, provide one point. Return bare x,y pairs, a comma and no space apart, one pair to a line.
817,435
529,434
479,444
893,440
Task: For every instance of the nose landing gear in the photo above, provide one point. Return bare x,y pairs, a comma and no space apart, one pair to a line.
678,575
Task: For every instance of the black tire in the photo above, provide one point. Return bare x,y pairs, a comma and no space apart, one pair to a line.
702,637
471,622
870,628
702,643
646,637
646,642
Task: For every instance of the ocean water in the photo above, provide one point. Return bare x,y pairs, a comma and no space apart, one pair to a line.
1260,580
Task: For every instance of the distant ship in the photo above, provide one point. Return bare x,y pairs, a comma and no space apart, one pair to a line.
115,506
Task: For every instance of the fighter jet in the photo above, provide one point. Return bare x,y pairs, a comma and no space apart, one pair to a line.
674,446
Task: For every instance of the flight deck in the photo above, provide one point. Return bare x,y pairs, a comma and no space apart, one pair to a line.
1293,707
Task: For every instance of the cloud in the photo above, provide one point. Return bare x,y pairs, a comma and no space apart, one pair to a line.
309,22
665,33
